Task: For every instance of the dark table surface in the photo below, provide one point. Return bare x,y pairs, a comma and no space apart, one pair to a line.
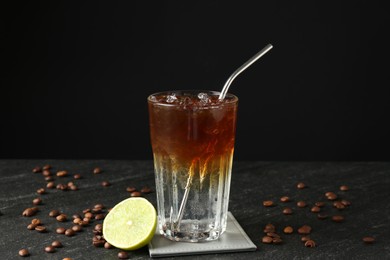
252,183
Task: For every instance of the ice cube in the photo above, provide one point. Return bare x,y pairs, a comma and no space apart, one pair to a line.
171,98
204,98
153,98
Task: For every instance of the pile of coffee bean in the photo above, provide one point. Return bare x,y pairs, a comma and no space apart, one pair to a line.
272,237
79,220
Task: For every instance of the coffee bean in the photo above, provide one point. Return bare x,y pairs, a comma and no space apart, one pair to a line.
269,228
287,211
304,230
77,176
130,189
344,188
330,195
60,230
99,206
338,218
31,227
315,209
86,220
71,183
98,243
96,210
61,218
50,249
345,202
135,194
77,228
301,185
288,230
123,255
266,203
310,243
84,223
24,252
305,238
99,216
73,187
322,216
368,240
47,167
105,183
97,170
41,191
40,229
67,258
98,227
56,244
49,178
301,204
88,215
86,210
146,190
107,245
50,185
54,213
36,221
69,232
77,221
338,205
29,212
62,173
74,216
37,169
46,173
273,235
319,204
285,199
266,240
37,201
277,240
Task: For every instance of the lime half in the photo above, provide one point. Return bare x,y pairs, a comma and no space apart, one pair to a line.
130,224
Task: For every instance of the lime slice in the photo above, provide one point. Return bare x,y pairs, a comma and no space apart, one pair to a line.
130,224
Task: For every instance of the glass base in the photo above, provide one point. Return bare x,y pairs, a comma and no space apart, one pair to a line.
186,233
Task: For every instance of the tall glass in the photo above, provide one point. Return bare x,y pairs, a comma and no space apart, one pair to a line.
192,136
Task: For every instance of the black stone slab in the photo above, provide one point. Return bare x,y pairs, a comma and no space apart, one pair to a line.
252,182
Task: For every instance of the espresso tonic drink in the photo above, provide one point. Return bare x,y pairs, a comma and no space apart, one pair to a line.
192,136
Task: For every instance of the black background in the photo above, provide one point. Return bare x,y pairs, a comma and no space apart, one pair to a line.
78,74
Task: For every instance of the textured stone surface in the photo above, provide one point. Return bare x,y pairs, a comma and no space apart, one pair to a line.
252,182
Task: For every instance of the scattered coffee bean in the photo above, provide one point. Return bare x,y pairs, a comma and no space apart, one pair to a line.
269,228
288,230
107,245
77,221
301,185
56,244
105,183
77,176
67,258
285,199
88,215
315,209
37,169
31,227
77,228
50,185
49,178
41,191
40,229
338,205
84,223
322,216
123,255
338,218
29,212
304,230
61,218
69,232
301,204
368,240
37,201
330,195
74,216
86,220
73,187
131,189
344,188
71,183
98,227
46,173
99,206
146,190
287,211
86,210
97,170
266,240
62,186
36,221
47,167
273,235
97,241
266,203
345,202
60,230
50,249
99,216
277,240
24,252
54,213
305,238
310,243
319,204
136,194
62,173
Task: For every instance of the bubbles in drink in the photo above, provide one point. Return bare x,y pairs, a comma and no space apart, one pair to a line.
171,98
204,98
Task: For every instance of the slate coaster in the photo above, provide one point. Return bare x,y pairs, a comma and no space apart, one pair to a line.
234,239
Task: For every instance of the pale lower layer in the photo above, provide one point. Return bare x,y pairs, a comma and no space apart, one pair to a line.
193,197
